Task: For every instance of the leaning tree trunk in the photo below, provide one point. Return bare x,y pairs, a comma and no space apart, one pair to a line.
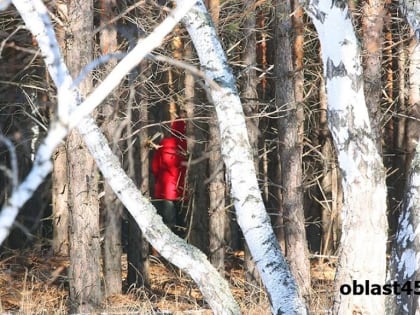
85,251
291,145
363,243
237,155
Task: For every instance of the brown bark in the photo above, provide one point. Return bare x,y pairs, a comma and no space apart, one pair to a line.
197,216
288,97
138,247
249,98
60,210
112,249
372,26
85,268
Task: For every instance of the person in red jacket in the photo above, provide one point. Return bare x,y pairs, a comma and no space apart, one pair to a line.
169,169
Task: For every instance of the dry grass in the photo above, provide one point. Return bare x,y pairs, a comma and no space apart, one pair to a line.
31,283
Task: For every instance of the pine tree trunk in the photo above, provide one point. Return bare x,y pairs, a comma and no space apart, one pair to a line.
217,191
249,98
112,249
138,247
291,143
85,268
60,242
372,26
60,208
362,254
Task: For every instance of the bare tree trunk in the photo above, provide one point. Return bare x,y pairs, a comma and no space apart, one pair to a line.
291,142
217,191
85,268
363,243
112,249
138,247
217,201
249,98
199,202
60,242
60,208
372,26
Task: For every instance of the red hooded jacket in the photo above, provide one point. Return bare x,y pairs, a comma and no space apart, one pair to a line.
168,164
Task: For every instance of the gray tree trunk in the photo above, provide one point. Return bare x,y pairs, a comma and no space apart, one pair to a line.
112,249
60,208
291,145
85,267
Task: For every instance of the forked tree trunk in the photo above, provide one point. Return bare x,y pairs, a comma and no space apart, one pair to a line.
363,243
291,145
237,155
85,252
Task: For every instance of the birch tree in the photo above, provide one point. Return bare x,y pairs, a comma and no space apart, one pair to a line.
237,156
362,254
186,257
405,260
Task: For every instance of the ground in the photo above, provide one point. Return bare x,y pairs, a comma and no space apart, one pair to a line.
35,282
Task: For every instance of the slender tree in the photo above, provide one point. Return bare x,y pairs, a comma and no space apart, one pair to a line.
85,251
372,26
249,97
112,249
60,210
217,190
290,132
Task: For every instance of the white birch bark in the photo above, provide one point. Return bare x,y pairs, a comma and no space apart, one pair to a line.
362,254
237,156
411,10
405,259
188,258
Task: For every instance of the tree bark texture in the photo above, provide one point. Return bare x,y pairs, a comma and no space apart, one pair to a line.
60,210
363,242
237,155
112,249
85,252
291,144
372,26
405,260
217,190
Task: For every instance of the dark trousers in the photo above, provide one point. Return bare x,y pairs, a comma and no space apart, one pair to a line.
171,213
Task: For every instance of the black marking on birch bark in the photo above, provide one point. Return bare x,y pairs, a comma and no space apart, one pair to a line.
341,4
333,71
318,14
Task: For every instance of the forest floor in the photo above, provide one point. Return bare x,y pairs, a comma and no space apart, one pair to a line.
35,283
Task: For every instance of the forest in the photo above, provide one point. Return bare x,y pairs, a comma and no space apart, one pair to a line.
209,157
